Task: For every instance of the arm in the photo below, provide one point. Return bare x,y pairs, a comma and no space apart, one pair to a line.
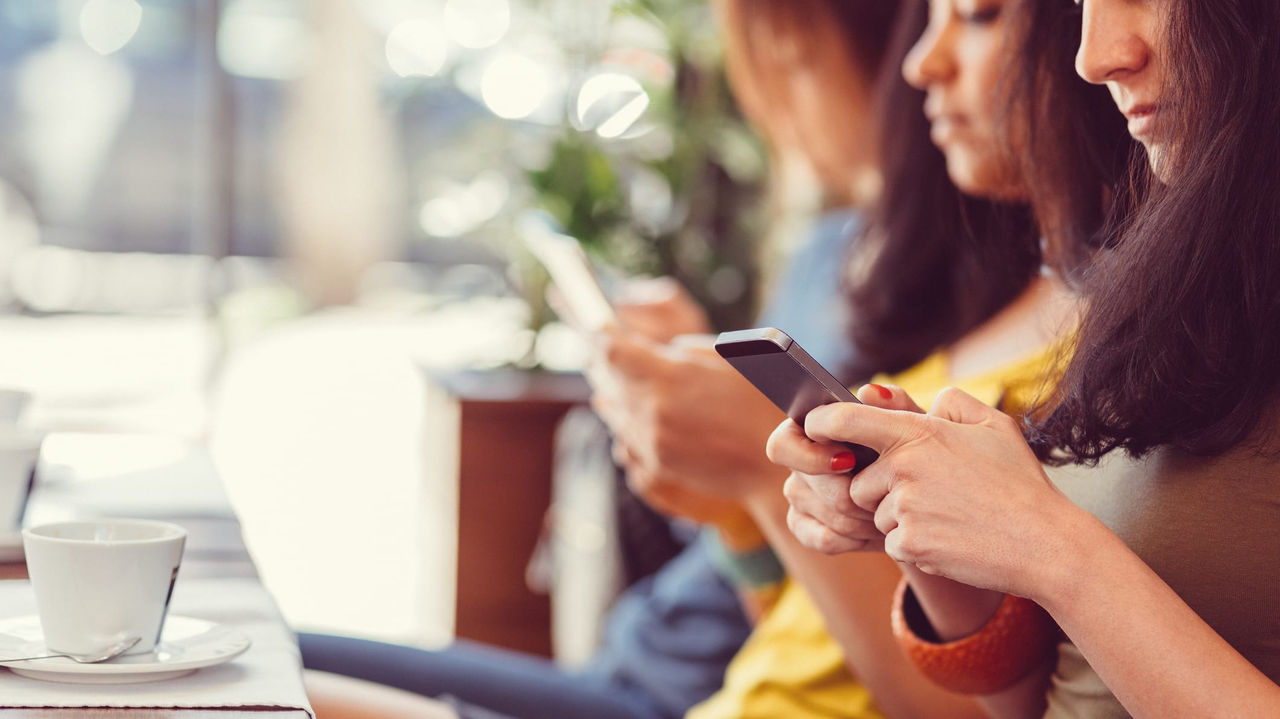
729,530
959,494
1155,654
679,415
955,611
822,506
683,414
854,592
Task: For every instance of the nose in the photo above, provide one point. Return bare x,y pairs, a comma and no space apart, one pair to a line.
1111,47
928,61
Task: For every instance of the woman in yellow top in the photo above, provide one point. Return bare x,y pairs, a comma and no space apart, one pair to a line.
825,648
1159,567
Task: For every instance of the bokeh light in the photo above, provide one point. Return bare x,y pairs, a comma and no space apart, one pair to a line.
477,24
461,208
610,103
265,39
108,25
417,47
514,86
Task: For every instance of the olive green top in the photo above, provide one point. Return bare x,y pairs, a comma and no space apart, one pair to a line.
1210,528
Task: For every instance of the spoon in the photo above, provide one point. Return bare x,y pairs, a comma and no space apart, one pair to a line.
111,651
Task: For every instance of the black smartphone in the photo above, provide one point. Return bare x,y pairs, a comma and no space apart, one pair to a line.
794,381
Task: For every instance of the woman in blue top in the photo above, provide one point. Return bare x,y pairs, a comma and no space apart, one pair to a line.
803,72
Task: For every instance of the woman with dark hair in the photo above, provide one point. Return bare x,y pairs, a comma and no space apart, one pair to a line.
1160,563
946,287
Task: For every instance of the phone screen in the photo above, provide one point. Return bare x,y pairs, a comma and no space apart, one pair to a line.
573,276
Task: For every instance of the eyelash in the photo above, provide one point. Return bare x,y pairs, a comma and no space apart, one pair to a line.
981,17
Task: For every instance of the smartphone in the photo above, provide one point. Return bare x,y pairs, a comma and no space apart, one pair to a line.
794,381
573,275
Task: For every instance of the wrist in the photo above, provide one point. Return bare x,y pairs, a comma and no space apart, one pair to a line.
753,570
953,610
761,495
1084,548
739,532
1017,640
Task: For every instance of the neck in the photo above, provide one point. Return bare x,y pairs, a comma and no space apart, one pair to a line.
1043,313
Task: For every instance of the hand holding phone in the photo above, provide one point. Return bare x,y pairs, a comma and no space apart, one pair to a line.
794,381
572,274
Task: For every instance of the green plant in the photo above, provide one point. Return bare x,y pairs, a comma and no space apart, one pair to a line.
680,196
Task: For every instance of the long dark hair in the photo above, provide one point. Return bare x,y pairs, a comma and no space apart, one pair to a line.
1180,344
1072,146
934,263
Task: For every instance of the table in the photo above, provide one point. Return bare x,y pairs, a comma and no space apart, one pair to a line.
184,489
507,421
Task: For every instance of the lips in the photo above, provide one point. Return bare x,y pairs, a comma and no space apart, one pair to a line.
945,128
943,125
1142,119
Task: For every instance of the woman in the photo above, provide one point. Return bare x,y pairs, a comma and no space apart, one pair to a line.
1161,570
961,275
803,71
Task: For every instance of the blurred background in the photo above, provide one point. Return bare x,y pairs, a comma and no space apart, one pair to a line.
265,224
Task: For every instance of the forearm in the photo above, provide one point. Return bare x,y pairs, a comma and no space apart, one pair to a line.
1153,651
957,610
854,593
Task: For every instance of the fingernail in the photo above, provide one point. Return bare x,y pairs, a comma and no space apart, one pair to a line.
885,392
843,462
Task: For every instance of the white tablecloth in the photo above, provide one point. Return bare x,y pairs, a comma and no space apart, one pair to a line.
267,675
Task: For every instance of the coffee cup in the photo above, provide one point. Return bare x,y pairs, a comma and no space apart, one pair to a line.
19,451
100,581
13,405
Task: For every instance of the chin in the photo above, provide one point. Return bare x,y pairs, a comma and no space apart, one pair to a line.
967,180
983,178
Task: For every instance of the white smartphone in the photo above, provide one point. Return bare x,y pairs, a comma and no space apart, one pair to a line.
573,276
793,380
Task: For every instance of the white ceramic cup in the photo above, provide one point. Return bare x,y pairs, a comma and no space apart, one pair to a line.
13,404
100,581
19,451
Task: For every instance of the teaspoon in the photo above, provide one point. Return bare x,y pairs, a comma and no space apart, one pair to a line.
110,651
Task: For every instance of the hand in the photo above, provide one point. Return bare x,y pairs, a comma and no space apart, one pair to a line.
822,515
660,309
669,496
684,414
957,492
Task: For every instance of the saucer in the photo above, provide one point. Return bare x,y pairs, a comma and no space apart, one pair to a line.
10,546
186,645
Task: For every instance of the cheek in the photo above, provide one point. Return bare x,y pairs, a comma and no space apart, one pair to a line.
978,168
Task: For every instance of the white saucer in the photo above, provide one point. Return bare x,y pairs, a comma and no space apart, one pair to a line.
10,546
186,645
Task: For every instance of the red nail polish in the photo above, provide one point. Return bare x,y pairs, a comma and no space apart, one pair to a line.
884,391
843,462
